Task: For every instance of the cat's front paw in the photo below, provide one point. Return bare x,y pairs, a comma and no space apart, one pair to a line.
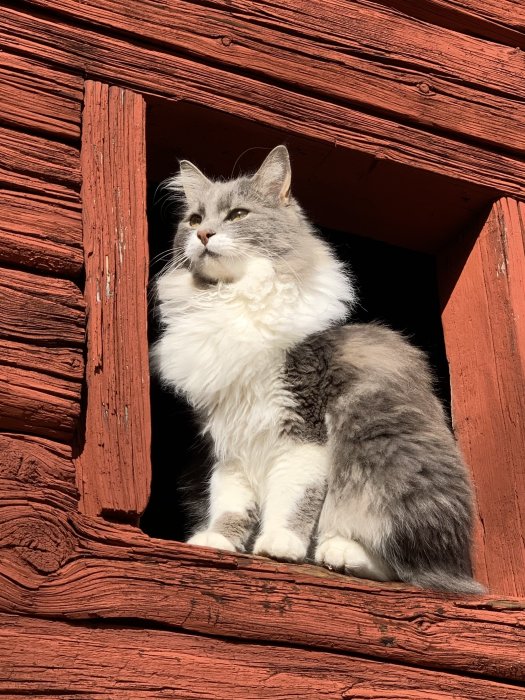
208,538
351,557
281,544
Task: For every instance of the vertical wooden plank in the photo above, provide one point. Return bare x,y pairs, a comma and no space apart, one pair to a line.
114,465
483,286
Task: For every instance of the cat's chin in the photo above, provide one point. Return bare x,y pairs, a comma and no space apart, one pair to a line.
218,268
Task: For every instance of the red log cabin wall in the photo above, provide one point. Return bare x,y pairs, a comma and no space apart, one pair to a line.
405,119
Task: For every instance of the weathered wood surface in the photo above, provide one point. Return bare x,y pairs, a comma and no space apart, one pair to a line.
502,21
40,310
114,466
79,568
159,71
425,74
41,232
36,97
26,156
40,389
99,662
483,290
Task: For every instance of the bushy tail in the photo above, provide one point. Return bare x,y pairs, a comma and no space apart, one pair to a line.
445,581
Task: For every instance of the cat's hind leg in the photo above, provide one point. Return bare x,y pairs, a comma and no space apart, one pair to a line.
232,513
294,492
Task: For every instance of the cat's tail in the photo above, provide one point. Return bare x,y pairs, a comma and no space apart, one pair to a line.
439,580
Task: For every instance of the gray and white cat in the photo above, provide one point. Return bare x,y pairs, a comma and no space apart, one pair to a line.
328,440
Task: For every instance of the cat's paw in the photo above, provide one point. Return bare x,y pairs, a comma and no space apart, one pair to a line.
208,538
281,544
351,557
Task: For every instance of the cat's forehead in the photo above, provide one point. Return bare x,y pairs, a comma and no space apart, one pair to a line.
224,195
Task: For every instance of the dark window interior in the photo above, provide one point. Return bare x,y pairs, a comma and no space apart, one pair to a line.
387,221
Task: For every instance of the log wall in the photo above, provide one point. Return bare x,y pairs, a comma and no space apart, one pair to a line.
438,87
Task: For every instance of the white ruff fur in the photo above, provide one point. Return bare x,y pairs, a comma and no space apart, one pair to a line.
224,349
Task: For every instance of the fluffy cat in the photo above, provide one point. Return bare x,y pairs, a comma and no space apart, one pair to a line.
328,440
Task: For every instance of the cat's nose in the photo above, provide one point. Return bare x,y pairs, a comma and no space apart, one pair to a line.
204,235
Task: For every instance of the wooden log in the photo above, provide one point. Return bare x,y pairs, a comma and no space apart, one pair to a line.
36,97
98,662
37,469
502,21
41,232
116,572
161,72
429,75
40,310
37,157
40,389
114,466
483,282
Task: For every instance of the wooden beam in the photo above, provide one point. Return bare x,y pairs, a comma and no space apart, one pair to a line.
429,76
502,21
98,661
114,466
43,310
36,97
37,157
41,232
160,71
79,568
483,290
40,389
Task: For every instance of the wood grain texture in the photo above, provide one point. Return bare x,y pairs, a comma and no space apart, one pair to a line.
502,21
79,568
484,325
40,389
41,232
114,466
157,70
36,97
97,662
24,155
40,310
429,75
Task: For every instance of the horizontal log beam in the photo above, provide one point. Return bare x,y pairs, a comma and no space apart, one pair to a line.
502,21
159,71
430,76
36,97
102,570
41,232
95,661
28,156
40,389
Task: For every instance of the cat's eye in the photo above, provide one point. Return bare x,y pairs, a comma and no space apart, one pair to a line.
195,219
237,214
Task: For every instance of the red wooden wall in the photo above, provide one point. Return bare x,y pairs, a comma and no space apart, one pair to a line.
431,93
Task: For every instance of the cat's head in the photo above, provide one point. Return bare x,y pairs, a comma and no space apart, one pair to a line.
226,224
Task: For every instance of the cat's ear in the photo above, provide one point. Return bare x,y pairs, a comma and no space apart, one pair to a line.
190,179
274,177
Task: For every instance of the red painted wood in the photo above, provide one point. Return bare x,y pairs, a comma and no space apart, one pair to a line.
502,21
431,76
114,464
40,310
159,71
79,568
36,97
41,231
484,324
100,662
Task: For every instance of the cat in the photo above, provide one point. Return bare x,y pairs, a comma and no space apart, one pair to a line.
328,440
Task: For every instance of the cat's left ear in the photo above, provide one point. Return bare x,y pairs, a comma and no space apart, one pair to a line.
274,177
